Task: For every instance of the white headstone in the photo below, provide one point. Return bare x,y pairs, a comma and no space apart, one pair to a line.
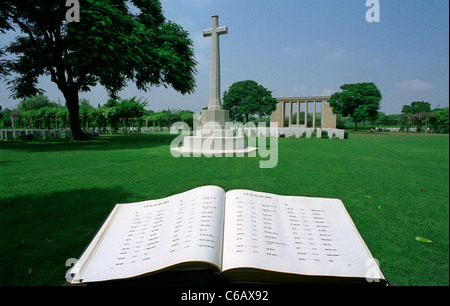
8,135
319,133
22,135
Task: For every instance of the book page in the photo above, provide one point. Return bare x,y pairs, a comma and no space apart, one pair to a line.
300,235
143,237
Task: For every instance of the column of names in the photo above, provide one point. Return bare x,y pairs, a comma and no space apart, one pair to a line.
167,229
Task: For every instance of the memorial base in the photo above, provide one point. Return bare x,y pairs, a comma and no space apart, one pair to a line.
216,117
213,142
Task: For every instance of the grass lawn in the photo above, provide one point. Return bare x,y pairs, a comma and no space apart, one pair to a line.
55,194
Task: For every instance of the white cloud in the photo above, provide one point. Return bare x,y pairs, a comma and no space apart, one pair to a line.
415,85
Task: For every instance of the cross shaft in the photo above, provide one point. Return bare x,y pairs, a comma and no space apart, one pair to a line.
214,33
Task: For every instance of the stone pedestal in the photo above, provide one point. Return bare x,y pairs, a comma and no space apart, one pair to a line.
214,142
215,116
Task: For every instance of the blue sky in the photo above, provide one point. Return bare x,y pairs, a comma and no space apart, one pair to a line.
298,48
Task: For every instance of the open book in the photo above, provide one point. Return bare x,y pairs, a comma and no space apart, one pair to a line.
247,236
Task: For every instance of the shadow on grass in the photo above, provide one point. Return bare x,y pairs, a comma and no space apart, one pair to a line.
100,143
41,231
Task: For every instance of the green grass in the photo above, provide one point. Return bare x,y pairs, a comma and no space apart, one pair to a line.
54,195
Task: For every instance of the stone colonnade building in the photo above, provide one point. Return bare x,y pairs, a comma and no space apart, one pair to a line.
305,105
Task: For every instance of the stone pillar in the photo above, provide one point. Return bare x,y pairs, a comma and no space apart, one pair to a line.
329,120
314,115
306,114
290,114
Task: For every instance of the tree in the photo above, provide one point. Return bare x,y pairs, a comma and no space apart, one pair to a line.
30,117
360,101
111,116
419,120
96,116
116,41
440,120
129,109
187,117
36,102
247,98
417,114
417,107
5,119
47,115
63,116
84,109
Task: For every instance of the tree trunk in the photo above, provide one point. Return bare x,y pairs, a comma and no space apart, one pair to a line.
356,125
74,114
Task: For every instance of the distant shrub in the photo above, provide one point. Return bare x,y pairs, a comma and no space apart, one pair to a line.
440,120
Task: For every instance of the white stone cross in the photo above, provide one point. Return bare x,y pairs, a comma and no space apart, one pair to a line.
214,32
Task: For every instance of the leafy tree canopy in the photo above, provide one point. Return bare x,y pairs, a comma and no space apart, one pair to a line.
247,98
441,120
116,41
36,102
417,107
360,101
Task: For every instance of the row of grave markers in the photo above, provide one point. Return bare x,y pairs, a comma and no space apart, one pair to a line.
299,132
10,134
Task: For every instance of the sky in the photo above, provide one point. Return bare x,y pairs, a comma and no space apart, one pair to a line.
301,48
